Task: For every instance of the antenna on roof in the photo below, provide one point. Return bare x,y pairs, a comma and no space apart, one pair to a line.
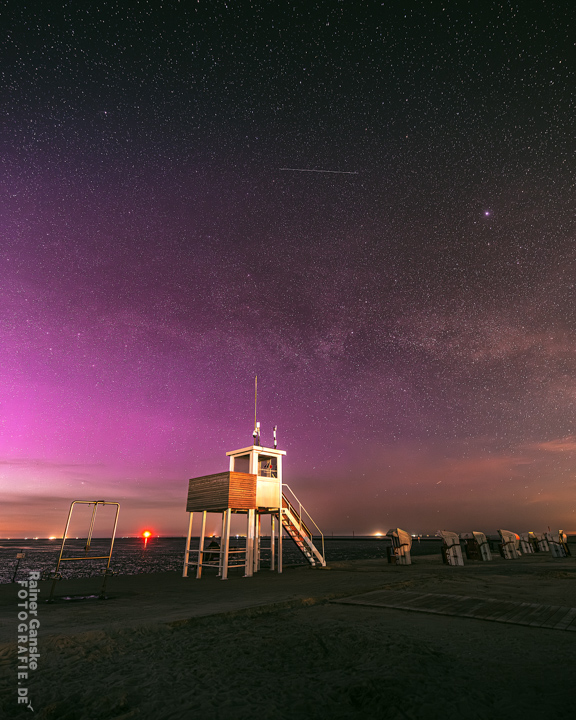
275,442
256,433
255,398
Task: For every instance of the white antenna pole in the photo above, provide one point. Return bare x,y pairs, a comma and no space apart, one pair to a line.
255,440
255,399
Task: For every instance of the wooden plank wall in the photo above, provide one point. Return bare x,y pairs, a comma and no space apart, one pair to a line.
242,491
221,491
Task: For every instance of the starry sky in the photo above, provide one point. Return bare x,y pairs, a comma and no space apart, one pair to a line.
410,317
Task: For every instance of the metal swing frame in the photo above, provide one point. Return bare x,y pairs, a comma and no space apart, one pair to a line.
108,557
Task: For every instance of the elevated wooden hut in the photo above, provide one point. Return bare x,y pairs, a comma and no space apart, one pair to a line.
253,487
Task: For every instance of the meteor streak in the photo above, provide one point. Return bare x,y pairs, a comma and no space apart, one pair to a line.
337,172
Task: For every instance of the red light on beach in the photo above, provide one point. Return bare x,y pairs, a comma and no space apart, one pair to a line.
146,534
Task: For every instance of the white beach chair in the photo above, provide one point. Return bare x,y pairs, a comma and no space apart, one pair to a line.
542,542
526,543
477,546
564,540
536,543
483,544
401,544
451,550
509,547
558,543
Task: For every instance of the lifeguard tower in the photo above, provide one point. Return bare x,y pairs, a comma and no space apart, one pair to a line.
253,487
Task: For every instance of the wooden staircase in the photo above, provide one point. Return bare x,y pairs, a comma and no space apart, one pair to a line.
298,530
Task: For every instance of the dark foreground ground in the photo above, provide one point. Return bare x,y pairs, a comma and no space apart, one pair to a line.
276,647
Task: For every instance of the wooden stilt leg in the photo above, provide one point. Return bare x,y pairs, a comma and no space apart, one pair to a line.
257,542
221,555
201,547
187,551
225,543
250,544
272,542
280,541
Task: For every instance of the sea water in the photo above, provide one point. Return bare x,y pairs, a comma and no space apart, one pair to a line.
131,556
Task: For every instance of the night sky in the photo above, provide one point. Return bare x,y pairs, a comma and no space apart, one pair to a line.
410,318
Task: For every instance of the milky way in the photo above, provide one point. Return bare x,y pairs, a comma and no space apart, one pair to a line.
410,318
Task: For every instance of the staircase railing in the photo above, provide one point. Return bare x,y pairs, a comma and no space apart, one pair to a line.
297,513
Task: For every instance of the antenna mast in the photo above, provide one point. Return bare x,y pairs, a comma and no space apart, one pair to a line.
256,433
255,399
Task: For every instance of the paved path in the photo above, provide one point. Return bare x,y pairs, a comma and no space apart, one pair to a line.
138,600
556,617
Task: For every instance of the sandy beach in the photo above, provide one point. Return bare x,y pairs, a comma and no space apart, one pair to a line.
283,646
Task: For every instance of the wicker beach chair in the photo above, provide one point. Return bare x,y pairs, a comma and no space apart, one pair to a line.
558,543
476,546
399,553
510,545
526,543
451,550
541,542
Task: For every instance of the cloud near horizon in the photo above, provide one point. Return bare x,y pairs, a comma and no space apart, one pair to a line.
559,445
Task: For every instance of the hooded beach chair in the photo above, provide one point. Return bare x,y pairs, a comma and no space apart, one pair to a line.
526,543
401,544
541,542
451,550
558,543
510,545
538,542
476,545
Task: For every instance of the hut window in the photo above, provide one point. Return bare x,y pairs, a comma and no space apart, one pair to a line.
242,464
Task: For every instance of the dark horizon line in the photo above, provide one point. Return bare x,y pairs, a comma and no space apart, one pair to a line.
183,537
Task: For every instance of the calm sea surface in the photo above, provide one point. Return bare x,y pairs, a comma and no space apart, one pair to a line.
131,557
